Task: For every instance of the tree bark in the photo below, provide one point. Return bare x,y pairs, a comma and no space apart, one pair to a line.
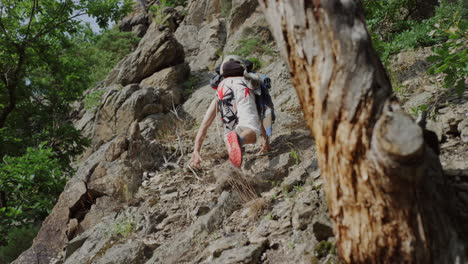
386,193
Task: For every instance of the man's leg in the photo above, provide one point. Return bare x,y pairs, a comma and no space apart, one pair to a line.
266,140
235,141
248,136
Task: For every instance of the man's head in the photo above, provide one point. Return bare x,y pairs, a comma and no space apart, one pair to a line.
232,69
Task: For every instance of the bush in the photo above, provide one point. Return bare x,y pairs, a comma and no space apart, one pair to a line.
190,84
30,184
93,99
249,46
17,240
451,57
226,6
157,9
104,51
257,63
392,32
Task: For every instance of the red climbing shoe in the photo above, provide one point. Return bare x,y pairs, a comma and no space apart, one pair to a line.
235,152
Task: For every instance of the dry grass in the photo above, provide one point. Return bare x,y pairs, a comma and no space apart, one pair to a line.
234,179
243,185
256,207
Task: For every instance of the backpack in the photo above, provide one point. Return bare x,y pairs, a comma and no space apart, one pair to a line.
265,106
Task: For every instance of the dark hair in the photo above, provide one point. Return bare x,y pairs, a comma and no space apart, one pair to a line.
232,69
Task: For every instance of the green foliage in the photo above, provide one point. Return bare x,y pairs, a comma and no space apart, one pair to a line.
93,99
257,63
124,228
269,216
293,154
177,2
46,63
393,30
298,188
104,51
30,184
323,248
451,58
157,9
415,111
18,239
190,84
253,45
226,6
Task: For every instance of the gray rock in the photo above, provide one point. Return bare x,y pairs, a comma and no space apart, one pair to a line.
278,167
449,121
130,22
131,251
154,126
103,207
463,130
155,52
241,10
201,210
418,100
174,249
296,177
218,246
246,254
203,43
203,11
119,179
167,79
94,240
140,30
199,102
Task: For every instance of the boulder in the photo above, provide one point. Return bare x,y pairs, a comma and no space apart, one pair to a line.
203,44
463,130
131,251
203,11
167,78
418,100
241,10
199,102
122,108
218,246
246,254
156,51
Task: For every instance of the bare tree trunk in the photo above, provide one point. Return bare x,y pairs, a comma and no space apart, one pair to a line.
386,193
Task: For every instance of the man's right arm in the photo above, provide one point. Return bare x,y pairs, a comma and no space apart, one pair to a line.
210,115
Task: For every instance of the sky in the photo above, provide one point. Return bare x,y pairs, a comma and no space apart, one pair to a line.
92,22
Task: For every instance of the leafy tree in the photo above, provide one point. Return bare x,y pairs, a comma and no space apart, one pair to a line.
451,57
34,36
30,181
46,54
393,29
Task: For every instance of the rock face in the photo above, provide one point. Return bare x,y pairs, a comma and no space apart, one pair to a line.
132,200
111,172
156,51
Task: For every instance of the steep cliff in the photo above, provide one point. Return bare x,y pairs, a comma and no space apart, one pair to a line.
133,200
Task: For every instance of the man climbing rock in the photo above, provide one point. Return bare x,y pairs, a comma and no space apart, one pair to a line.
235,101
263,100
